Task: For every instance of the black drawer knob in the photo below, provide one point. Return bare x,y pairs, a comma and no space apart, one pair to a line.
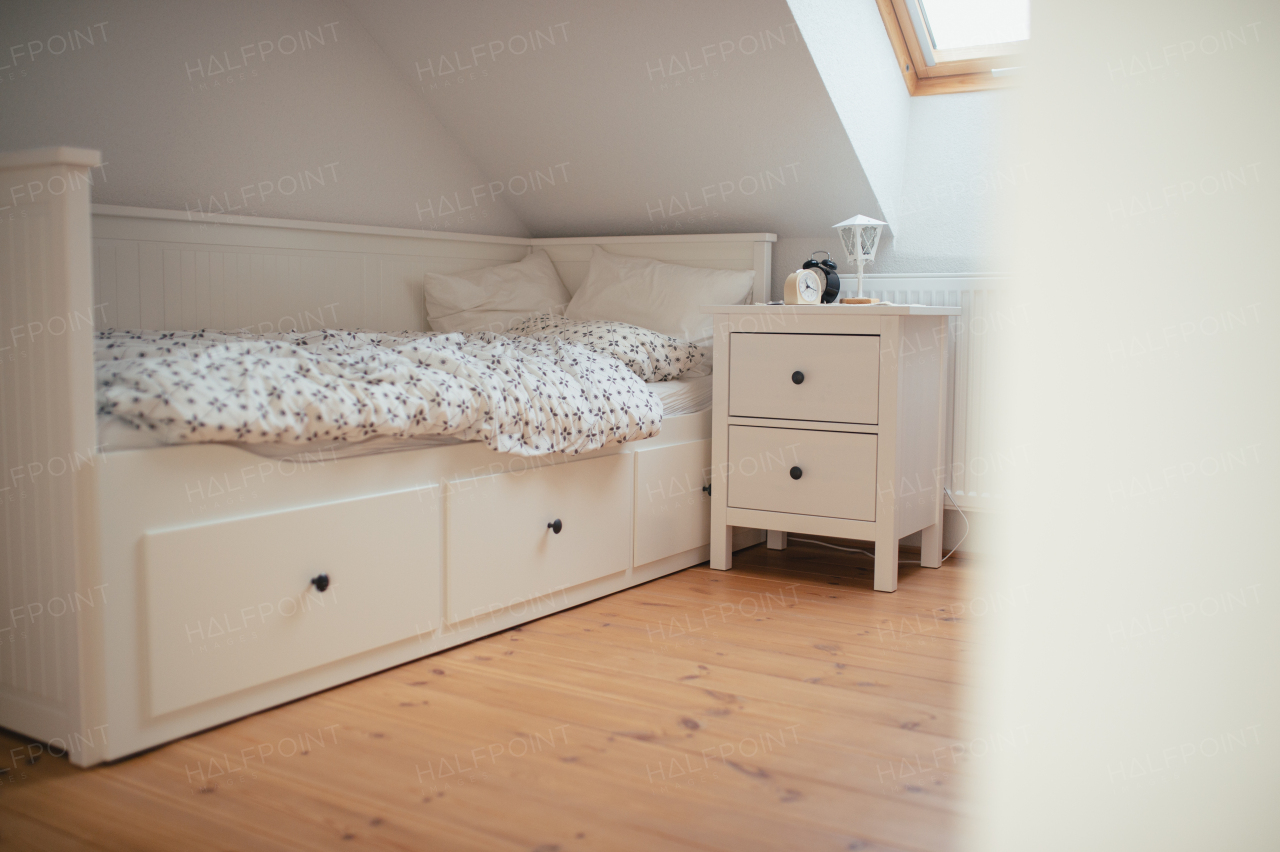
320,581
797,377
707,488
796,473
555,526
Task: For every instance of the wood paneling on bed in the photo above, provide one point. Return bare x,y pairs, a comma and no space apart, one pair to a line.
49,584
179,274
160,269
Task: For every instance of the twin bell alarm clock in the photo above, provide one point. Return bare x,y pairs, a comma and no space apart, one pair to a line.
816,282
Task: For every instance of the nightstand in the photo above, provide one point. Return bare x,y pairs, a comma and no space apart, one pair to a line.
828,420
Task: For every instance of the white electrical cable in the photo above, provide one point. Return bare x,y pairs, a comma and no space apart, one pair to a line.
833,546
900,561
963,518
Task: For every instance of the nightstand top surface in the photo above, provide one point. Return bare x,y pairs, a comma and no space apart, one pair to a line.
837,310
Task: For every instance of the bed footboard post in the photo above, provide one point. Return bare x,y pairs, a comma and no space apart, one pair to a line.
51,597
762,290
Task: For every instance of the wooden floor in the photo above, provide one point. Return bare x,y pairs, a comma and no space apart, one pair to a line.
782,705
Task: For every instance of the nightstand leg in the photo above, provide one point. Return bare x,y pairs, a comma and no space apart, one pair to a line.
886,578
722,547
777,540
931,546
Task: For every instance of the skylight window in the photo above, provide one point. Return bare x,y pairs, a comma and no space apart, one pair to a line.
952,24
954,45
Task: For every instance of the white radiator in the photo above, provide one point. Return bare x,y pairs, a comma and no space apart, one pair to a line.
974,460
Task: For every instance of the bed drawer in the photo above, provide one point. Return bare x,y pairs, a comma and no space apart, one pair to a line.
837,472
838,377
673,513
502,549
231,604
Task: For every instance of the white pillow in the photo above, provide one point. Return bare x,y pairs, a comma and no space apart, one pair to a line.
490,299
664,297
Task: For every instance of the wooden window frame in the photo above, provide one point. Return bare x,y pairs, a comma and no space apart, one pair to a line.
957,70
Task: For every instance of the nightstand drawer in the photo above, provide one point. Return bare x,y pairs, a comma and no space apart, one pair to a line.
837,472
827,377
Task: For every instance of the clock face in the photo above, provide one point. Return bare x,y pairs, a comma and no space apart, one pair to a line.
807,287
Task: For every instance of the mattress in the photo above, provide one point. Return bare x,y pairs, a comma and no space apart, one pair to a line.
681,396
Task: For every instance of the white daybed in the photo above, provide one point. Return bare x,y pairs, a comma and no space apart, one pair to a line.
153,593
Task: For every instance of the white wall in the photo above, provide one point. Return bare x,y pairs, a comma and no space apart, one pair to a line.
937,163
1129,692
851,49
958,178
173,134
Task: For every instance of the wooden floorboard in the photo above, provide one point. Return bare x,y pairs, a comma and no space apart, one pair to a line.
781,705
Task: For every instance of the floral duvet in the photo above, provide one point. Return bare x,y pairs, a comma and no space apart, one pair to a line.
547,385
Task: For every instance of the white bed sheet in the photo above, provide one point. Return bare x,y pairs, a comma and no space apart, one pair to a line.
681,396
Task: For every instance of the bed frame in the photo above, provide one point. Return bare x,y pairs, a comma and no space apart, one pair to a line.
153,593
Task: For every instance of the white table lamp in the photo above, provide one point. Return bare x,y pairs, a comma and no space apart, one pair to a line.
860,237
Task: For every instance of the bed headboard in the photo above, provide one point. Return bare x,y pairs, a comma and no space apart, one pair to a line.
164,269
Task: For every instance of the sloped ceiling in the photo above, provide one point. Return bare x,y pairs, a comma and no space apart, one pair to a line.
853,55
654,117
511,117
200,104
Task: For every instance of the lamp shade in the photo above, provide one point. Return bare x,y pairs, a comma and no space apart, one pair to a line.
860,237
